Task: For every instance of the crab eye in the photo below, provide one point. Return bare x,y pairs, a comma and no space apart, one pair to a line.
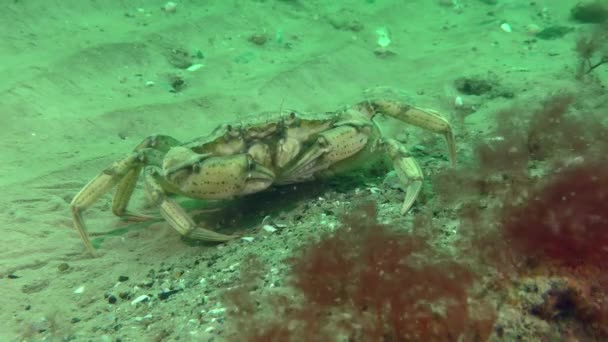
250,163
196,167
291,119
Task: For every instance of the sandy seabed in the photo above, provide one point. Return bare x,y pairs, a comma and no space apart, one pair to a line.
83,82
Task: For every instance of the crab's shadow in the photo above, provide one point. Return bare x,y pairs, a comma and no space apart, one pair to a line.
246,215
281,204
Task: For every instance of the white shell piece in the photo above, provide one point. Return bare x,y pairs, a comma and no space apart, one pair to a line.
458,102
195,67
269,228
506,28
140,299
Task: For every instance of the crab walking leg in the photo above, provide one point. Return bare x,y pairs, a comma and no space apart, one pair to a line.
423,118
123,193
174,214
97,187
408,171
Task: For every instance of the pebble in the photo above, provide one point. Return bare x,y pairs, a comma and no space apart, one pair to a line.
506,28
170,7
79,290
123,278
258,38
533,29
166,294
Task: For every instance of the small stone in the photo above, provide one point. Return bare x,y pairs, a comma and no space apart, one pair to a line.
170,7
63,267
166,294
177,83
112,299
590,12
258,39
384,52
122,278
533,29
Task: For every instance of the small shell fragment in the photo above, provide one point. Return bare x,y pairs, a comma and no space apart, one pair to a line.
247,238
195,67
269,228
216,311
506,27
140,299
79,290
458,102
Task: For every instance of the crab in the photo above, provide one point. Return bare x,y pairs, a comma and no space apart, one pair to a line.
248,157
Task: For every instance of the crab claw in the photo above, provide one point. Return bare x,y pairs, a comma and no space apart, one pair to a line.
408,171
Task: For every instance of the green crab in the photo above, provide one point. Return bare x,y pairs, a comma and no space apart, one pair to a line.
270,149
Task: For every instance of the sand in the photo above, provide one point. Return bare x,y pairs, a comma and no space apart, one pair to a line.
83,82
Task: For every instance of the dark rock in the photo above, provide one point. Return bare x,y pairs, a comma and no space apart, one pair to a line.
473,86
166,294
554,32
590,12
258,39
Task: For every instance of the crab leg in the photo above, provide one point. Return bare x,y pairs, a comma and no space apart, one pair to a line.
99,186
408,171
174,214
125,173
123,193
423,118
